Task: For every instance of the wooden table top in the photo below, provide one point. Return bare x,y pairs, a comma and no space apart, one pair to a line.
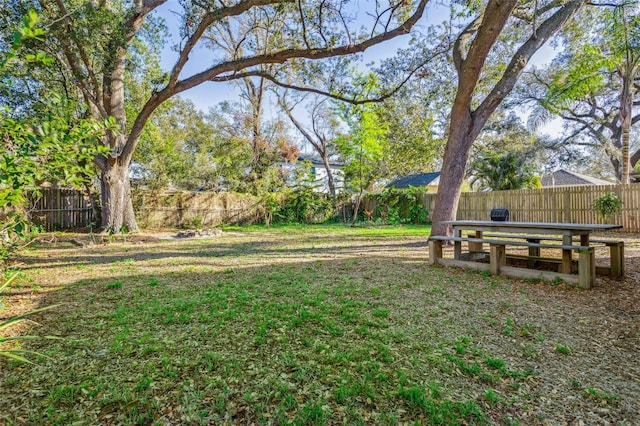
535,226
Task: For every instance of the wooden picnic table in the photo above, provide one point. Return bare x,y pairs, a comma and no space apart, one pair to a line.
566,230
533,233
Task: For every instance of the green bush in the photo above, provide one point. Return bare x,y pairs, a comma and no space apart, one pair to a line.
607,205
304,206
57,147
395,206
195,222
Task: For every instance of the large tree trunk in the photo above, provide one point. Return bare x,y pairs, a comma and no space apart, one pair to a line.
455,160
117,204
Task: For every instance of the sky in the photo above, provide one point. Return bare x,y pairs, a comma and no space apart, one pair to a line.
210,94
207,94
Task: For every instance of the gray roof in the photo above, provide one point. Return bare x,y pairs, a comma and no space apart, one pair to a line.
420,179
568,178
318,160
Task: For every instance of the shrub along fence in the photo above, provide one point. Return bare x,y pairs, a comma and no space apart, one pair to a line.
208,209
392,206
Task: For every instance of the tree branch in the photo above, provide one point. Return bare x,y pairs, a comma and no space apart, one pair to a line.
283,56
209,19
495,16
175,86
91,95
515,68
274,80
299,125
315,119
79,47
524,14
304,24
461,43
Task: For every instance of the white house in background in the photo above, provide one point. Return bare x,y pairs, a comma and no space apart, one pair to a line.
567,178
318,172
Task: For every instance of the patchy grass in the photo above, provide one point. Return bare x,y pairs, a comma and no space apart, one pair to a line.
297,325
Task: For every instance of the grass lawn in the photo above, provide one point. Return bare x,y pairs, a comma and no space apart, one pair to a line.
309,325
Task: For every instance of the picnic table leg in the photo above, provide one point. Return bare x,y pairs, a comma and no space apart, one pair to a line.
586,268
565,268
616,251
497,258
533,252
584,240
457,245
435,251
475,246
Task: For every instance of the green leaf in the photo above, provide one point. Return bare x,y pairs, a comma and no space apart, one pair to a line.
6,284
16,319
11,354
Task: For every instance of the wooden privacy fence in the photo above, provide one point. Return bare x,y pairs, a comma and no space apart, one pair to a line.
61,209
194,209
64,208
571,204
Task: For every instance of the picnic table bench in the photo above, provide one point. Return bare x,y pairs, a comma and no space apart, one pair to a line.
521,235
616,249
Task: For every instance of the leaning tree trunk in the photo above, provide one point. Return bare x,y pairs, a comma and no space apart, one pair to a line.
470,52
117,204
327,167
455,159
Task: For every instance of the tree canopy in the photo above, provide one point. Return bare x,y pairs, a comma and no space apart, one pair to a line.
592,87
95,45
435,100
58,147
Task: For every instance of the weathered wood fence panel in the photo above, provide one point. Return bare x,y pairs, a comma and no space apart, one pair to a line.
61,209
194,209
572,204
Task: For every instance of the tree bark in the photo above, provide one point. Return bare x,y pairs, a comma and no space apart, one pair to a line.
327,167
255,96
626,108
454,163
117,203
